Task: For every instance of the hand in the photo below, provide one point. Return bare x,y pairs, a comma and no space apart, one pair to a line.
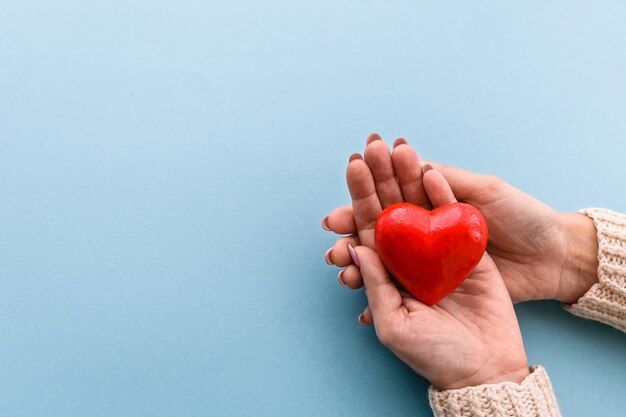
542,254
469,338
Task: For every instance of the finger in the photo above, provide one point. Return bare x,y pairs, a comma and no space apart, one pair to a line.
399,141
410,302
340,221
338,254
382,295
365,204
465,184
366,318
437,188
378,158
372,137
351,277
407,168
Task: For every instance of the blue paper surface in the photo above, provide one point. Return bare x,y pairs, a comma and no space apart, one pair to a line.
164,167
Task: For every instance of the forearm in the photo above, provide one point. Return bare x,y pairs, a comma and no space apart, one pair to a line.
580,265
605,297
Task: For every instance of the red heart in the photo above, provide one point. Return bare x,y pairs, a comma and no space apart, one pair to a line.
431,252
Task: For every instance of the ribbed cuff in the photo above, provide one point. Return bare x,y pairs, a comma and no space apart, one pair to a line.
532,398
606,300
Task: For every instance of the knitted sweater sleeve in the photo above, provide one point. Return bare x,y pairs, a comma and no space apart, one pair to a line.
606,300
533,397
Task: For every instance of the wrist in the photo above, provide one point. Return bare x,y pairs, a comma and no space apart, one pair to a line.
494,375
579,270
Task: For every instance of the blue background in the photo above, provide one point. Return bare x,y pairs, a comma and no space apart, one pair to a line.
164,167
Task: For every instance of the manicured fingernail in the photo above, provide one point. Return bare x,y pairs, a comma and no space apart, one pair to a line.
355,258
325,224
427,167
327,256
340,278
373,137
362,320
355,156
400,141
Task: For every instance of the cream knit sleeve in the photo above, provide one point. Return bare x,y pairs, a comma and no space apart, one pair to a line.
606,300
532,398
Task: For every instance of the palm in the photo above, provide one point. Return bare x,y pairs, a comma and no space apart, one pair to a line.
470,320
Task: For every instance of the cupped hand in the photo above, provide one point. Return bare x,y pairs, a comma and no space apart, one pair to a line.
541,253
469,338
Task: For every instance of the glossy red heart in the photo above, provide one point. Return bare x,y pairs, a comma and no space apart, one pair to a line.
430,252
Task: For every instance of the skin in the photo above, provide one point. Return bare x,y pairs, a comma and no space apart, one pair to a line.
541,253
469,338
472,336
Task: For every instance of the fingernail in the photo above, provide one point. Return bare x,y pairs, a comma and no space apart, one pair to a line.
327,256
362,320
325,224
373,137
427,167
355,258
340,278
400,141
355,156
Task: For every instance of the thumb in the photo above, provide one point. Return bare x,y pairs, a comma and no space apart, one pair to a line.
437,188
464,183
382,295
